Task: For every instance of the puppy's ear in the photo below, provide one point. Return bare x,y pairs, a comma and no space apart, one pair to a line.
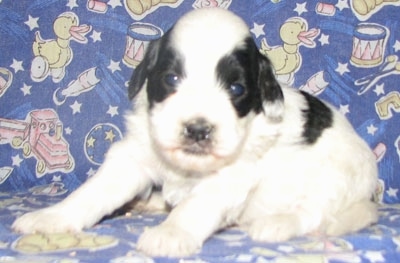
271,92
142,70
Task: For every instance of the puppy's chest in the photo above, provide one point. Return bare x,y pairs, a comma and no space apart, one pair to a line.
177,189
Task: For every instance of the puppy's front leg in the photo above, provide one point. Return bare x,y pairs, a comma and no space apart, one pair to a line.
213,204
118,180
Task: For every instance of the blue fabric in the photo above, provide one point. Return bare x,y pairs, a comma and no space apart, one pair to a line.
114,240
57,119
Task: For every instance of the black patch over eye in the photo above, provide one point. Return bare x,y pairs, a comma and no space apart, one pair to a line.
238,74
166,75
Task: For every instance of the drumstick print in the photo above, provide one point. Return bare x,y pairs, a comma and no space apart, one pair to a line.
395,70
389,64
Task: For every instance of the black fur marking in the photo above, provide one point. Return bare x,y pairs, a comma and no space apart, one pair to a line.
169,63
161,59
318,117
270,88
141,72
247,67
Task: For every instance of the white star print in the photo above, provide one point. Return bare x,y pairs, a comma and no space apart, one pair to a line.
56,178
258,30
17,65
68,131
114,66
371,129
301,8
16,160
342,68
26,89
379,89
96,36
32,22
91,172
392,192
396,46
344,109
112,110
114,3
76,107
324,39
342,4
71,4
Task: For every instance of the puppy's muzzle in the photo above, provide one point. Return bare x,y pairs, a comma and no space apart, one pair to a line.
197,136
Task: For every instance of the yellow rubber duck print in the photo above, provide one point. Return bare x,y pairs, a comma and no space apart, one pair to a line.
53,55
286,58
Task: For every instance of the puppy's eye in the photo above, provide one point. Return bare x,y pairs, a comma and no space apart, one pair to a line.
172,80
236,90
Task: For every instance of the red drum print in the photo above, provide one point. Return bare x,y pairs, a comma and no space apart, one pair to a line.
138,37
369,42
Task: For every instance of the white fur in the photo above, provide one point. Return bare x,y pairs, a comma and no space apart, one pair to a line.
257,175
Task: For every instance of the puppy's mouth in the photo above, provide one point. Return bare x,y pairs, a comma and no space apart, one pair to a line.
200,148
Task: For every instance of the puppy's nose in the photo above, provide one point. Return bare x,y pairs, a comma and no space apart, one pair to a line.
198,130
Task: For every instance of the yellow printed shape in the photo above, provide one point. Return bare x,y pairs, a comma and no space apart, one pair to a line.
286,58
364,9
44,243
138,9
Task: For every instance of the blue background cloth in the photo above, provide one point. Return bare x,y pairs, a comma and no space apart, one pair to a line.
56,123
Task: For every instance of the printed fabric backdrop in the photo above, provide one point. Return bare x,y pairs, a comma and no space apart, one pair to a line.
64,67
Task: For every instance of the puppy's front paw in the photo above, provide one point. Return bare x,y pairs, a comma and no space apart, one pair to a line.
167,240
275,228
48,220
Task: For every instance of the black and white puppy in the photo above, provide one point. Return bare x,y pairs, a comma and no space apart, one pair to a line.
228,145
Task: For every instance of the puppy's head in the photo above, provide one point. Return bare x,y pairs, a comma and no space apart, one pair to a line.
205,81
